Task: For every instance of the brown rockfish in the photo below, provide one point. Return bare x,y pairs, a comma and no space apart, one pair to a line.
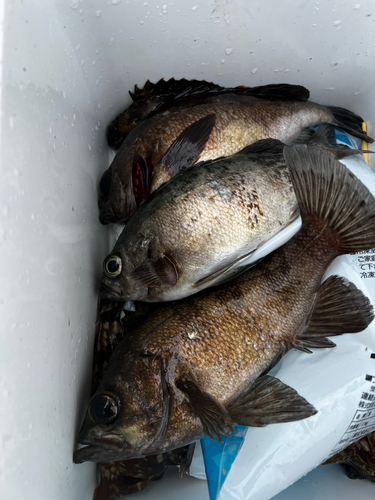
155,97
128,476
358,459
202,227
242,117
199,366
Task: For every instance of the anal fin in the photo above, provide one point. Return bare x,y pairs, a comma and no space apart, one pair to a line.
340,308
269,401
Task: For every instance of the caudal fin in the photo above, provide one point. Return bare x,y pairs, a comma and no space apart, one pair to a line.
324,138
332,199
350,122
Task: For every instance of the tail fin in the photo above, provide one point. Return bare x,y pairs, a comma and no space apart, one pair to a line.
331,197
350,122
324,138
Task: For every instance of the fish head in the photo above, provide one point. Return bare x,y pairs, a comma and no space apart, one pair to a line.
117,281
123,187
127,417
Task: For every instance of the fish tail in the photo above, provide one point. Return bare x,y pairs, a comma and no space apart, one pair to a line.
350,122
331,199
325,138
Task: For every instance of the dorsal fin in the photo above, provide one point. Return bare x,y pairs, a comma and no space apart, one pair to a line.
173,89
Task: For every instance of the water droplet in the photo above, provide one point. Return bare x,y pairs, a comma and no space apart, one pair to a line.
32,216
98,13
228,51
357,6
222,61
5,211
142,22
329,88
164,7
146,3
94,63
89,147
74,5
286,71
115,2
336,23
254,71
194,8
11,122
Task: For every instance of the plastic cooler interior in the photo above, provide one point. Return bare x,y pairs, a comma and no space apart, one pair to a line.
66,70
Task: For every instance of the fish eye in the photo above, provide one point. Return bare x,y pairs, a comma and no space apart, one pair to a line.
113,266
105,183
103,409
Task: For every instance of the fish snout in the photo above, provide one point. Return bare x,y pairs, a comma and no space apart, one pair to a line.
102,447
106,213
110,291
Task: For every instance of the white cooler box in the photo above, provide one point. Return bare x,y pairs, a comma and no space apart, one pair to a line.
66,68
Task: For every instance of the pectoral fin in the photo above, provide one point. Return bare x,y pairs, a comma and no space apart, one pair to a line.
186,460
214,417
269,401
340,308
188,146
155,272
227,272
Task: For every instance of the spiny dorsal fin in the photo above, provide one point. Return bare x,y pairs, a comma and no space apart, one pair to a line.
340,308
213,416
269,401
172,89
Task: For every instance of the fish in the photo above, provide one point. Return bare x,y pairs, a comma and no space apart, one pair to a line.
199,366
151,98
201,228
358,459
129,476
242,117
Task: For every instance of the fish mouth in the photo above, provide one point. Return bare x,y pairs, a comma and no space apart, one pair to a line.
102,453
140,180
111,292
106,213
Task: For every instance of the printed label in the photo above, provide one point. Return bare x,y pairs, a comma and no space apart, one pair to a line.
363,421
366,263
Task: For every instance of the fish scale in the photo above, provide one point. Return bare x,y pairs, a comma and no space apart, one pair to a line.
203,221
242,117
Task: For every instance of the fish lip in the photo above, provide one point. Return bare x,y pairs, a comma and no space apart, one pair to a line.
106,213
109,292
94,453
99,449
